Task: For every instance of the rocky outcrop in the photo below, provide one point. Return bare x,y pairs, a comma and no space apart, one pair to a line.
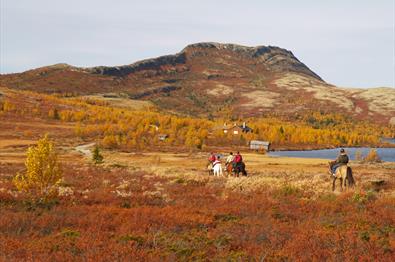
148,64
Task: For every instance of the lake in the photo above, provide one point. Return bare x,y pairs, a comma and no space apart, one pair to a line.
386,154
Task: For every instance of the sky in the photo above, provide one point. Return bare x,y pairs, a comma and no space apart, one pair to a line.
349,43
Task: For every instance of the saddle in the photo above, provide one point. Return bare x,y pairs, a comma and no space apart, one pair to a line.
332,171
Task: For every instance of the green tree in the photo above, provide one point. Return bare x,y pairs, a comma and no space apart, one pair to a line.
97,156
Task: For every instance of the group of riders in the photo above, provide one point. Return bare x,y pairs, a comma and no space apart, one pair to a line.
234,163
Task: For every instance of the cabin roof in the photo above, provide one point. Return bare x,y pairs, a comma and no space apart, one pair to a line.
259,142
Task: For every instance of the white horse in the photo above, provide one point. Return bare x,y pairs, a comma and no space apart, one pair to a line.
217,168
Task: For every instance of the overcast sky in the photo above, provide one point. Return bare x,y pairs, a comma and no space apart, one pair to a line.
349,43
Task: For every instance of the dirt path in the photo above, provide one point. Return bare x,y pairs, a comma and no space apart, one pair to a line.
85,149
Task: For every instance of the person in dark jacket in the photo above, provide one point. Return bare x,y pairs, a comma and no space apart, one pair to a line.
342,159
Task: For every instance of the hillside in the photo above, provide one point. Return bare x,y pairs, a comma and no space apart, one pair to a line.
212,79
153,200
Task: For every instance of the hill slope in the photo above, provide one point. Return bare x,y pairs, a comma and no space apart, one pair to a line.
216,79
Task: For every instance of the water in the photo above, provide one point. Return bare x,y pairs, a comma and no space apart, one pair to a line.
385,154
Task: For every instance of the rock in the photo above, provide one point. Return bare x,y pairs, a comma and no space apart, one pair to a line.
148,64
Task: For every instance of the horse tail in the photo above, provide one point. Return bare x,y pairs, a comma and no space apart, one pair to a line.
244,169
350,177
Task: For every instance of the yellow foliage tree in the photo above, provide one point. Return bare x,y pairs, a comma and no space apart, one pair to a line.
43,172
372,156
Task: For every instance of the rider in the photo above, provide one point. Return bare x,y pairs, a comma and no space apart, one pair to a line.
237,160
229,159
217,161
212,158
342,159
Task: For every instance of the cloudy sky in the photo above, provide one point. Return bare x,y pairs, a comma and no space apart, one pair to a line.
349,43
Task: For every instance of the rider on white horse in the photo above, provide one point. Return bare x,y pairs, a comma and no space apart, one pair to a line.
217,167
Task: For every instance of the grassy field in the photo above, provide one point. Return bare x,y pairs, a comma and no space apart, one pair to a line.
163,206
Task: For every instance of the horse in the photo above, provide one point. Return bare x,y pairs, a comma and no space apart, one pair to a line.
229,169
240,168
217,169
210,169
343,172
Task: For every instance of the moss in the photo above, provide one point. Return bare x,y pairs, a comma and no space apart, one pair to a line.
226,217
70,233
127,238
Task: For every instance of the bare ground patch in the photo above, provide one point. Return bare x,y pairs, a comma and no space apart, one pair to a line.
319,89
260,99
220,90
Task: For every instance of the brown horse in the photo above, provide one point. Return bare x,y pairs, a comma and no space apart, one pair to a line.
210,169
229,169
343,172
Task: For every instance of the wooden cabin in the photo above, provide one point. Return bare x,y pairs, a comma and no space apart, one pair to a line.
259,145
236,129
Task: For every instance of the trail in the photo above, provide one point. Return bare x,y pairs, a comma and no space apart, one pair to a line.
85,149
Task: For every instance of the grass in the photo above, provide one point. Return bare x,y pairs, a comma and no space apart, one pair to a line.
174,211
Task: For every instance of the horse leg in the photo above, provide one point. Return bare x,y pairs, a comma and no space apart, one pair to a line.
334,184
341,184
244,172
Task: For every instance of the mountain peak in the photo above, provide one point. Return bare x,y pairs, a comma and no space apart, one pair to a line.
276,59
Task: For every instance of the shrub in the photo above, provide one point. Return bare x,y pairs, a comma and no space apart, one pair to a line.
54,114
358,155
96,155
372,157
43,172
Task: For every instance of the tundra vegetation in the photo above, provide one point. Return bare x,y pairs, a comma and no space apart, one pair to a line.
151,200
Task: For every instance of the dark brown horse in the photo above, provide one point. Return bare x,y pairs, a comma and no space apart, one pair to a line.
236,170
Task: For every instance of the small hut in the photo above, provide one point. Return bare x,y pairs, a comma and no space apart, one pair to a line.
259,145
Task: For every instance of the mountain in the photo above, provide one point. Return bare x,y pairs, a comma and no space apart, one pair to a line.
216,79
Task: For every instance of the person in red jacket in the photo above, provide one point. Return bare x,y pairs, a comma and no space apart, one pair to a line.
212,158
238,158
